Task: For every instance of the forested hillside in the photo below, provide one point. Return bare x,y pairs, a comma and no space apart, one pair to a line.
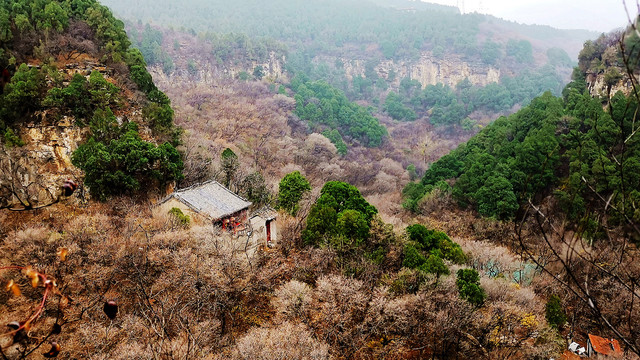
408,107
564,169
331,25
568,146
69,77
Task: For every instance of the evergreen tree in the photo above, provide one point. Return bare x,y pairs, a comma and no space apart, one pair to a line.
125,165
468,283
554,312
291,189
338,201
230,164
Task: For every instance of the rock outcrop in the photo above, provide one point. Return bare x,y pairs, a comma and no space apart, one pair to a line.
40,166
598,85
427,70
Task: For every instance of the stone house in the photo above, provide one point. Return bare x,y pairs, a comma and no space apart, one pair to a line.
212,202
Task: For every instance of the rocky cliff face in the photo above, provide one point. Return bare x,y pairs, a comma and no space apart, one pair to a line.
598,85
209,70
428,70
38,168
49,144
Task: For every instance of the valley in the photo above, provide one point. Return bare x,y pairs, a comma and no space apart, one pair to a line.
434,184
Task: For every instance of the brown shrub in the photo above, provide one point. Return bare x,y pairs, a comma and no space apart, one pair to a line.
292,299
286,341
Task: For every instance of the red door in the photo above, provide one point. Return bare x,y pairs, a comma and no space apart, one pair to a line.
268,225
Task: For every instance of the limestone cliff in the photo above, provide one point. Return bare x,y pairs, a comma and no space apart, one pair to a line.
49,144
206,68
38,168
428,70
599,86
605,68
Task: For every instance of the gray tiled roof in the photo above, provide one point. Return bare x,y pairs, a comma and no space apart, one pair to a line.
211,199
265,212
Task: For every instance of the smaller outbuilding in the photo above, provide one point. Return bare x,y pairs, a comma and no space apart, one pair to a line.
263,225
577,348
595,348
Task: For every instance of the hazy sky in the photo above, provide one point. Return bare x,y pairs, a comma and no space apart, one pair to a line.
598,15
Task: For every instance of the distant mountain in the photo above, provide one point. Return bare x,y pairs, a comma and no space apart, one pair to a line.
415,5
329,25
368,49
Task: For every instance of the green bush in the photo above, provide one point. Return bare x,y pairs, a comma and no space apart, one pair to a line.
74,98
138,71
160,116
413,257
321,225
22,94
103,93
104,126
496,198
182,219
429,240
435,265
423,236
291,189
258,72
339,211
427,249
11,139
554,312
230,164
451,250
126,165
468,283
412,193
397,110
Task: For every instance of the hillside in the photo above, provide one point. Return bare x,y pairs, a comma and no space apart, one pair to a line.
565,171
427,103
333,25
92,267
70,78
432,85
